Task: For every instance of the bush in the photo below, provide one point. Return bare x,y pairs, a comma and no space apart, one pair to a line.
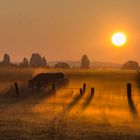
131,65
62,65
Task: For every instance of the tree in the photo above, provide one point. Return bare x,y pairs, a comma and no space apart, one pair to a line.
6,60
131,65
37,61
85,62
44,62
25,62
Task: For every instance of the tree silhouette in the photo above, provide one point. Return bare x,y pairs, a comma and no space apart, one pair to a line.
62,65
6,60
25,62
85,62
36,60
131,65
44,62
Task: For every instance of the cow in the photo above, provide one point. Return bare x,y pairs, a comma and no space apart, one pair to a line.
44,79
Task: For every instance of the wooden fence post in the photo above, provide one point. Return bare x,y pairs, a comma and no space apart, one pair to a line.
81,91
84,87
129,90
92,90
17,89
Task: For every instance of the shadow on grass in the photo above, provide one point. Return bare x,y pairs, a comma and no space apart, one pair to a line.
25,95
74,101
87,102
132,107
10,97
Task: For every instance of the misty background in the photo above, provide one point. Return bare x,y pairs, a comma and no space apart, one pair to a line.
67,29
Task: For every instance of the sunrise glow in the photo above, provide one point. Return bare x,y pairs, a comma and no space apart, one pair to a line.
119,39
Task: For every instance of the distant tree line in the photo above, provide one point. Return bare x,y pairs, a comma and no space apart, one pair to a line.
37,60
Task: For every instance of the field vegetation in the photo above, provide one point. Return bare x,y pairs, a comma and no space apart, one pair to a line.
66,114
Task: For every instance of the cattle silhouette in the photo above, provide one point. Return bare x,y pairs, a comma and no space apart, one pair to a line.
44,79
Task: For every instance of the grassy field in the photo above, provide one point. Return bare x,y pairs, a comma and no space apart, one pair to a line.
68,115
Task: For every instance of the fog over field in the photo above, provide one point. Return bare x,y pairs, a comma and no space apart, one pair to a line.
106,114
69,70
93,64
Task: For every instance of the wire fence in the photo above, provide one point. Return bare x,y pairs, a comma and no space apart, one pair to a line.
118,89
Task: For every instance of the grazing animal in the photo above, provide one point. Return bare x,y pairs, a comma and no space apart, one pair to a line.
43,79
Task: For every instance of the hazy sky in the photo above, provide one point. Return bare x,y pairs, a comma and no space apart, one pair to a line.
67,29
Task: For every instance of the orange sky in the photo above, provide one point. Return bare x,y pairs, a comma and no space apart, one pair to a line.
67,29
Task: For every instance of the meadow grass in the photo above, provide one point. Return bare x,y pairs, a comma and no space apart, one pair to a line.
68,115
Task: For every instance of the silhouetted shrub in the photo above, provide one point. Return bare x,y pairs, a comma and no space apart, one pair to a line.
85,62
62,65
131,65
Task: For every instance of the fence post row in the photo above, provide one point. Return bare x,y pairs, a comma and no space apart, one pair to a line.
82,90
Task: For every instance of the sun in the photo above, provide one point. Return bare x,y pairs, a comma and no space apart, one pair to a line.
119,39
